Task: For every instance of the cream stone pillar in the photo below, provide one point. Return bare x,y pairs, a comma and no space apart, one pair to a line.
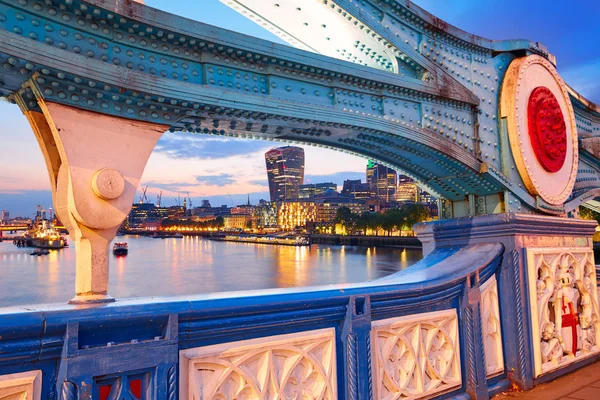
95,163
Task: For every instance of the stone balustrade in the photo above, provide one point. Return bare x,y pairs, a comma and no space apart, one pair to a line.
403,335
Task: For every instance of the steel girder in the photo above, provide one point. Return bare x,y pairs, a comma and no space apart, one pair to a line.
431,110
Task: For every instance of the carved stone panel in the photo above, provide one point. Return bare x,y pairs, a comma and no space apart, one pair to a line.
416,355
295,366
491,327
564,306
21,386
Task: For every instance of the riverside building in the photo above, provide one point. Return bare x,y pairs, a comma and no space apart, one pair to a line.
315,189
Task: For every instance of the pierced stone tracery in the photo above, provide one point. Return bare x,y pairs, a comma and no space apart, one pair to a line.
298,366
22,385
416,355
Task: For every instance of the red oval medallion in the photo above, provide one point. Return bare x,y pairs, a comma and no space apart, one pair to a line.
547,129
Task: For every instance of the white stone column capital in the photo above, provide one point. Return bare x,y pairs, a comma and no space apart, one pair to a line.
95,163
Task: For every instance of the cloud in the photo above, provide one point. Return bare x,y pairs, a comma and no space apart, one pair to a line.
222,179
259,182
188,146
168,186
216,180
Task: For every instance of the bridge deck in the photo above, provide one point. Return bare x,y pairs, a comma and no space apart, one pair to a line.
583,384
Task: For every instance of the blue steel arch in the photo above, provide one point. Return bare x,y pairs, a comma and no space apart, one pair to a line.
440,123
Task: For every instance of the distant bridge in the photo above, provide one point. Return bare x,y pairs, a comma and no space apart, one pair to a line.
13,228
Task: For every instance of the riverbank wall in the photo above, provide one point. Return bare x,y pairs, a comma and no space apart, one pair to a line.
348,240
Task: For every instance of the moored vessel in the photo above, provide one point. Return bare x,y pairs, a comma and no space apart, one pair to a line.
298,240
167,235
45,236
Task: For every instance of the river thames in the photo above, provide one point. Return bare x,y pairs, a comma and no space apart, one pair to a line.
193,265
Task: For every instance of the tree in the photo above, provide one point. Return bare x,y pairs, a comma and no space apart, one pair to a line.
345,217
366,221
413,214
586,213
391,219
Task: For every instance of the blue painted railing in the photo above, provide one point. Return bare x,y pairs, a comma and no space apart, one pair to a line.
80,348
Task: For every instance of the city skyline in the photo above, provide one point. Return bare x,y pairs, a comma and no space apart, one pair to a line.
215,169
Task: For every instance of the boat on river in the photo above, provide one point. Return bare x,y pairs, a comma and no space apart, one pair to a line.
120,249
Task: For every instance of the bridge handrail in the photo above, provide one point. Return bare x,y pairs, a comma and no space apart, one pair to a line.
74,349
31,333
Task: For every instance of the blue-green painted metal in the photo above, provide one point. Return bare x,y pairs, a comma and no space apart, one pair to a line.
435,116
439,123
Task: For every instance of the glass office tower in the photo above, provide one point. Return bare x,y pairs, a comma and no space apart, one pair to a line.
382,181
285,172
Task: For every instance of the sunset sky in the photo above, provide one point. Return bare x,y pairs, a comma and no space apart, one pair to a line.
212,168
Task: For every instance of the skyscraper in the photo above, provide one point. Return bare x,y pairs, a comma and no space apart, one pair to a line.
5,217
285,172
407,191
381,180
357,189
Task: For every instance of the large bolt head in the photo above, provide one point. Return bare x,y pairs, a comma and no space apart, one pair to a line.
108,183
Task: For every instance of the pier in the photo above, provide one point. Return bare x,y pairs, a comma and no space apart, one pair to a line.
22,241
406,242
265,239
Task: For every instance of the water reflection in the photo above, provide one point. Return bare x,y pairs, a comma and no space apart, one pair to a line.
192,265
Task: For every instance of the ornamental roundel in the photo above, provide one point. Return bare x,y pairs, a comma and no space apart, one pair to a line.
541,128
547,129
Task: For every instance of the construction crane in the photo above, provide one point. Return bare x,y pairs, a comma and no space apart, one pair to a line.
231,199
143,197
189,200
178,200
158,199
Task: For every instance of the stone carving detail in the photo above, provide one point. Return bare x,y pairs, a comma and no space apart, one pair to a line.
416,355
523,366
296,366
23,385
352,367
564,306
172,383
491,327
